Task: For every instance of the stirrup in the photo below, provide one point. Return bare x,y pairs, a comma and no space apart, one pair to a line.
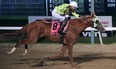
62,33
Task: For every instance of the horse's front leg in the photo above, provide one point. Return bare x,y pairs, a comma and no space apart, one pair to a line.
62,52
70,51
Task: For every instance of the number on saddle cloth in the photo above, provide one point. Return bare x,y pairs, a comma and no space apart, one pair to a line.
55,27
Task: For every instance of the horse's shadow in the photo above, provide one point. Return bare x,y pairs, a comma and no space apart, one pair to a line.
91,57
39,62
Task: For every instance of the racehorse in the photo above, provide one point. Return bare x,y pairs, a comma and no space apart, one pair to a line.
31,32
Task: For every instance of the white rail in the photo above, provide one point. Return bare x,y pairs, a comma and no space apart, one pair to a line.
88,29
10,28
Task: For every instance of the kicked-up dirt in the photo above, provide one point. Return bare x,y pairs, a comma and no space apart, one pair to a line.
87,57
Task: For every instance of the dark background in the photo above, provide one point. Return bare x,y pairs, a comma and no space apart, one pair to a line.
16,12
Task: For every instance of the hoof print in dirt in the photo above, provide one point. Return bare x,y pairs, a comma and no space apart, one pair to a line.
39,64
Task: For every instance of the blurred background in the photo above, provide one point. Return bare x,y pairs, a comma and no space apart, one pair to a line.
14,13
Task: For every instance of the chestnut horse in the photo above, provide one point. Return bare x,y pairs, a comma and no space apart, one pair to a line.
31,32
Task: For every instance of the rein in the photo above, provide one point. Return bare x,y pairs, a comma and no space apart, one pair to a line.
92,22
86,19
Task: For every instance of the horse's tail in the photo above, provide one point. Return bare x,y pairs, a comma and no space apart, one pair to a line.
9,36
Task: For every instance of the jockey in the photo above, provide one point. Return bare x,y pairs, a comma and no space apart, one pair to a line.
61,12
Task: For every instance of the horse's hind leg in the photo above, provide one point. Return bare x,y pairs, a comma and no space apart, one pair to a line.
24,42
25,53
18,44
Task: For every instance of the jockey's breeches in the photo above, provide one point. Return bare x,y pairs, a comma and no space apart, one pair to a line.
58,16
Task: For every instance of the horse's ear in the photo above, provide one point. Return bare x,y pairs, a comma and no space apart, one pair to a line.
93,14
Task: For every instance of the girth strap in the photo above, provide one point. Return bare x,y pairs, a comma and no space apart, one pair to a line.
62,39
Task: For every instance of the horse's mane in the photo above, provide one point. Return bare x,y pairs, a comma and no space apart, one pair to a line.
76,20
80,20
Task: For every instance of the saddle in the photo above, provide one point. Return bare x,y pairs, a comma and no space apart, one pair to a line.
49,20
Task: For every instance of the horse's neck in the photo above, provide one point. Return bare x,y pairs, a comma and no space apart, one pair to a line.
81,26
87,22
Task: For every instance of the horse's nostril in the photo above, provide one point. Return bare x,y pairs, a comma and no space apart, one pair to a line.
104,29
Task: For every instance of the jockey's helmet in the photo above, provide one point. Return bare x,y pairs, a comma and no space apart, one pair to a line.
74,4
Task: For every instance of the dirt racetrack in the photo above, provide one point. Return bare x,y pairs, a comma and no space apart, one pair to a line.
85,57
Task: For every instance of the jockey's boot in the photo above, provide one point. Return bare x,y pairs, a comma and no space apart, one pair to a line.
64,23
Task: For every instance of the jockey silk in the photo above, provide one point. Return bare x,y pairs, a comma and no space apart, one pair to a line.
63,10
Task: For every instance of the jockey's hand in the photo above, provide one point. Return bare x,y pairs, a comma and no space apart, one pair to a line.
80,16
66,16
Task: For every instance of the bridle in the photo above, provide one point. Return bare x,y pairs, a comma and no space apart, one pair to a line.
94,19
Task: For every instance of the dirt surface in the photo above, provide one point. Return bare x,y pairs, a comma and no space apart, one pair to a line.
103,58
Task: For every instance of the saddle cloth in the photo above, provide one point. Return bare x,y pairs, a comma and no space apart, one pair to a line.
55,27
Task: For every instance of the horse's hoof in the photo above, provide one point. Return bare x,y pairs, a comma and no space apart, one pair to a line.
73,65
24,54
54,57
9,53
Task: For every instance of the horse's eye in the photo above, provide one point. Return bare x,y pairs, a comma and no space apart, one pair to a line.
97,21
